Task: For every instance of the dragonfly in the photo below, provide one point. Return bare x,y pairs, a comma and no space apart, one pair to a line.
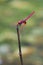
24,21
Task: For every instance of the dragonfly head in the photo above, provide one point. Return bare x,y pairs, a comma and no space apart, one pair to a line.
21,22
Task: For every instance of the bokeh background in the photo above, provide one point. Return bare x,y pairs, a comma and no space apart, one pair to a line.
11,11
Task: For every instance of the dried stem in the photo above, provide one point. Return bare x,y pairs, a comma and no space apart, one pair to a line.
20,52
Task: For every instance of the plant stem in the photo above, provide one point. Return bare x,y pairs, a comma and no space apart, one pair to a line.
20,52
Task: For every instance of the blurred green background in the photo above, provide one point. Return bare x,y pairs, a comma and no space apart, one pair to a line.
11,11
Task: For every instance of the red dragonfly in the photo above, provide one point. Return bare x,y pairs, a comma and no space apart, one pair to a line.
24,21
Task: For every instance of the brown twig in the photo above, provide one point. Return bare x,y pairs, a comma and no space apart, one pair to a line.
20,52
